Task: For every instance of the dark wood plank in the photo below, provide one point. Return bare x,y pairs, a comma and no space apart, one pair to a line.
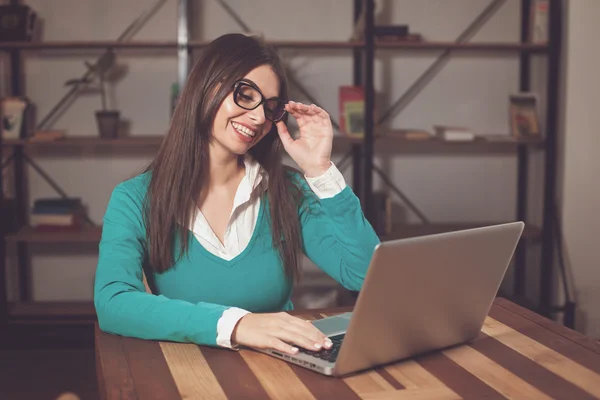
562,330
322,386
461,381
116,375
234,375
548,338
51,373
151,374
528,370
389,378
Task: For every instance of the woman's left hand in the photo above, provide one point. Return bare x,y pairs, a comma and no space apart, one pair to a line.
312,150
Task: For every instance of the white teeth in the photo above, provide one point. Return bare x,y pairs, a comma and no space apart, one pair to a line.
243,130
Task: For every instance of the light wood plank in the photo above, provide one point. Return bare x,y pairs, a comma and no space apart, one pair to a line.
494,375
368,382
277,378
413,376
568,369
192,375
440,393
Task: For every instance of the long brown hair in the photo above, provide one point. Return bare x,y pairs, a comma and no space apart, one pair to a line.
178,172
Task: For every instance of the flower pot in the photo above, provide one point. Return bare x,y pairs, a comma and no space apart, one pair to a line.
108,124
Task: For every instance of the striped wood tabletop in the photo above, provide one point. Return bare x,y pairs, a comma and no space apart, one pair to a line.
518,355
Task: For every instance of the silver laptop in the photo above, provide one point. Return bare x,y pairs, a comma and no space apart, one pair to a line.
420,294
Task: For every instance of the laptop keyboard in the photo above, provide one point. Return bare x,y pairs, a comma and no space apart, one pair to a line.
328,354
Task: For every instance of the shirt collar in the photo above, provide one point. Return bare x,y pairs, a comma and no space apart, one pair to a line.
252,180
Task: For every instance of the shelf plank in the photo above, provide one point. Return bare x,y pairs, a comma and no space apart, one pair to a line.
83,45
89,141
30,235
295,44
93,234
385,143
51,311
479,145
471,46
402,231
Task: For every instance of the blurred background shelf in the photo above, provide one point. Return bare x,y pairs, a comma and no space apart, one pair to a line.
399,231
56,312
293,44
382,144
31,235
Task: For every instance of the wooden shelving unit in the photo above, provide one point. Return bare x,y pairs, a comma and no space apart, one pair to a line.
375,141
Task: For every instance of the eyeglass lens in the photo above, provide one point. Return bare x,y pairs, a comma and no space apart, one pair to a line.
249,98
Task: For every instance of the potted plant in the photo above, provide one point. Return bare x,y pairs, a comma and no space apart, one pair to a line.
104,69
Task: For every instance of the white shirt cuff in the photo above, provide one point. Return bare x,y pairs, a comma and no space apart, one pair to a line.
329,184
226,323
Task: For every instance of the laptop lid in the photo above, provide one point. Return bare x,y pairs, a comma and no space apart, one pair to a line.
426,293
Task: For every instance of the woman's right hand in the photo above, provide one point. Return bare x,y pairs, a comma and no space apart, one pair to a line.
278,331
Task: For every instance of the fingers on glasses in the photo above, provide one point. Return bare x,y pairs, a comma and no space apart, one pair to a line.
295,108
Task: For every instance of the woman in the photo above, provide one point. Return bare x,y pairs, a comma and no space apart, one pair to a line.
218,224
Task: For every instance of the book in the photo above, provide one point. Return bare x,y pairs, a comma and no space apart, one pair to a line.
352,111
523,115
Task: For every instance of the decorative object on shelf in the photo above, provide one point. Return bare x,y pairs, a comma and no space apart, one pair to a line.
15,114
523,115
105,70
453,133
538,32
18,23
352,111
395,33
136,25
56,214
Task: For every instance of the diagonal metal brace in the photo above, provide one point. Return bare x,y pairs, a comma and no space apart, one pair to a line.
441,61
289,73
402,196
53,184
134,26
8,160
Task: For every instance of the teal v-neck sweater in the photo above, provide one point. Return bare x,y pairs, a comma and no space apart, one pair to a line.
190,297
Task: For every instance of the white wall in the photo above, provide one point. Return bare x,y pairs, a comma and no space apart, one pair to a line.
581,164
471,90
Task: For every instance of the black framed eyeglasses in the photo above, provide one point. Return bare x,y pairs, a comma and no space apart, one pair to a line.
247,96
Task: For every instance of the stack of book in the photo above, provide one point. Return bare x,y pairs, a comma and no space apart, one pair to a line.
56,214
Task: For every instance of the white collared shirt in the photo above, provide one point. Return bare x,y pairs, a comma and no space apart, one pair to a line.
242,221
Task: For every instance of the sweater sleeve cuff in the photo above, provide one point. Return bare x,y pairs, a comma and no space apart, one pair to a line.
226,323
329,184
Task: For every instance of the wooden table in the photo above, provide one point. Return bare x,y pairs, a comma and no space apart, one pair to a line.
518,355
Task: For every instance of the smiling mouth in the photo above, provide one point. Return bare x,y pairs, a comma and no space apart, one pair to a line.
243,130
